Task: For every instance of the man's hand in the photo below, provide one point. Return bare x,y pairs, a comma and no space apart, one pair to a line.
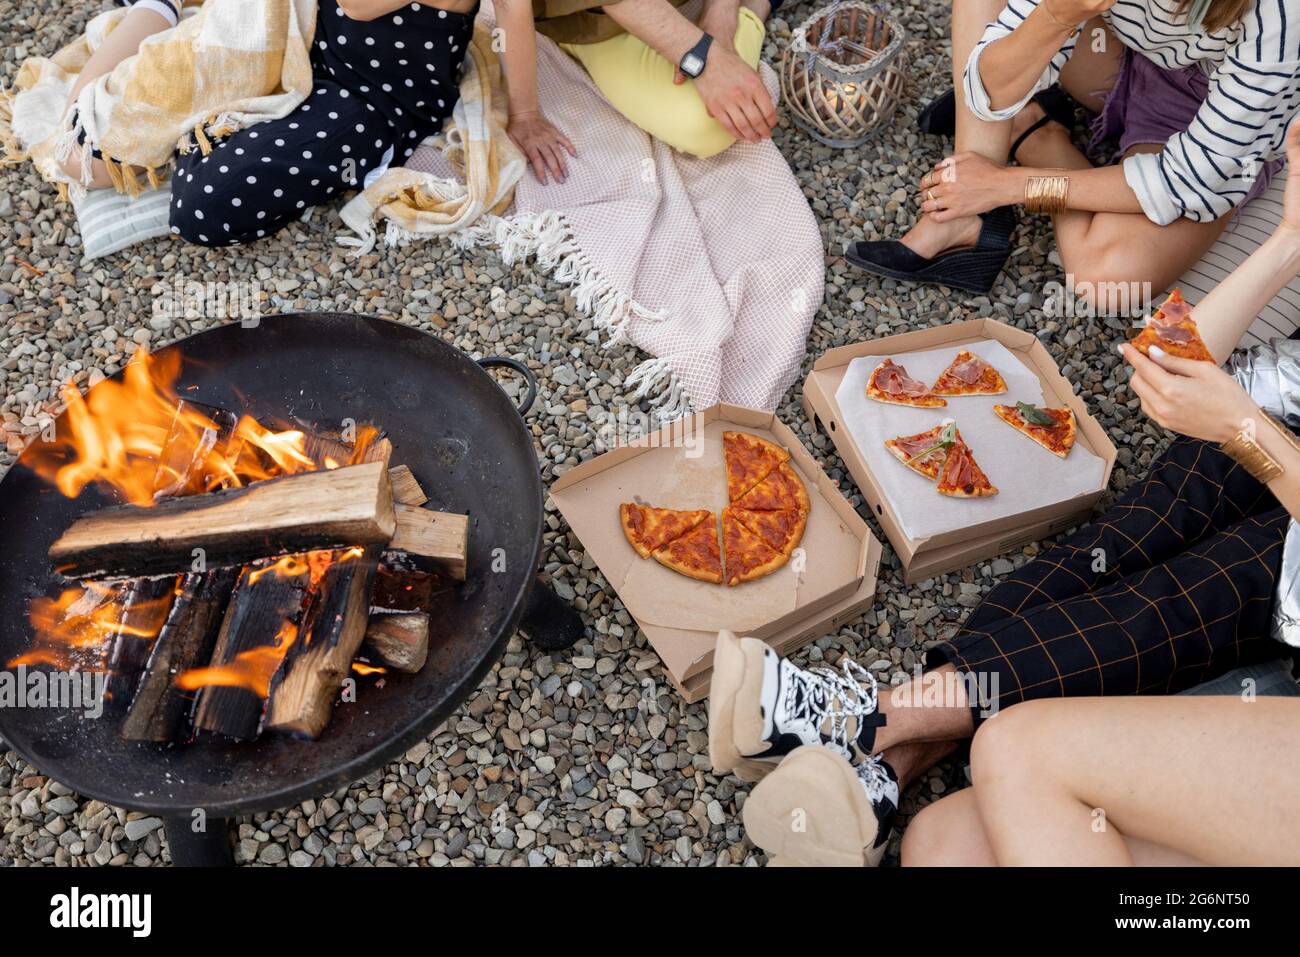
1194,398
735,96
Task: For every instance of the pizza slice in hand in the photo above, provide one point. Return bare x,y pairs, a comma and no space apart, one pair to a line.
969,375
648,528
1053,429
783,489
748,556
695,554
750,459
961,477
890,383
926,451
1173,330
782,530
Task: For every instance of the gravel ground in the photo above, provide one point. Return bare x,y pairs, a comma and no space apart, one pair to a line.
553,759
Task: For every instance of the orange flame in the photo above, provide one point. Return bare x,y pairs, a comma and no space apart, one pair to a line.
138,438
251,670
364,669
76,629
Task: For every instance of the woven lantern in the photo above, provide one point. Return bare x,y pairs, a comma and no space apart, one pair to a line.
842,74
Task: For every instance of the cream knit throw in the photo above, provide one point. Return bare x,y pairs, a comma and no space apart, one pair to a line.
227,65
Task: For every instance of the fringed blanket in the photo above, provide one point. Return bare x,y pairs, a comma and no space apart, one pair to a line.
713,267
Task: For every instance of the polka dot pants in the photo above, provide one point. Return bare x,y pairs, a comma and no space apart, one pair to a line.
379,88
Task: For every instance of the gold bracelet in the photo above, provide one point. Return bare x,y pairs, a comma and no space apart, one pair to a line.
1057,20
1287,435
1046,194
1250,455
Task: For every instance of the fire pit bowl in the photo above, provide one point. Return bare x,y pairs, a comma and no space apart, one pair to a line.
466,443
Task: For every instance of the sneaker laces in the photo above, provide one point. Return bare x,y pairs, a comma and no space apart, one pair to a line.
874,776
823,695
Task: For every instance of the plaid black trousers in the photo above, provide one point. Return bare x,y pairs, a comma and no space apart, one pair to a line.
1170,587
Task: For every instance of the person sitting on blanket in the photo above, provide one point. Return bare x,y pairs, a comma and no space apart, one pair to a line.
694,86
384,76
1194,571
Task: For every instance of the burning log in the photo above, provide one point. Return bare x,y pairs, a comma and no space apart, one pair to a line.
334,627
261,624
161,710
400,642
437,541
142,608
308,511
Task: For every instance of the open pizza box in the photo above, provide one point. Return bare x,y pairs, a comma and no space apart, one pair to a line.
829,579
925,556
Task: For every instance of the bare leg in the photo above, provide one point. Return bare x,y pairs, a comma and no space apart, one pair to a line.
123,42
950,833
914,758
933,707
1067,782
969,18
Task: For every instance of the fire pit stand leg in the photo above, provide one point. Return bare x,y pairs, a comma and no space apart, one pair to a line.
211,848
549,621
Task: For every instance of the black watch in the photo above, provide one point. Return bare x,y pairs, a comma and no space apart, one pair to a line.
694,59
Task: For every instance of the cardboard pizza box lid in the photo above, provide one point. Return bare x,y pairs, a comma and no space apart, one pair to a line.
925,557
681,466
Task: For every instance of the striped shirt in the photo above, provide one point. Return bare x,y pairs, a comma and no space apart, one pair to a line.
1254,75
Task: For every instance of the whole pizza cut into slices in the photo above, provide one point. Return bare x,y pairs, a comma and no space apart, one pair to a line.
782,490
961,477
890,382
782,530
1053,429
748,556
1173,330
924,452
695,554
750,459
969,375
648,528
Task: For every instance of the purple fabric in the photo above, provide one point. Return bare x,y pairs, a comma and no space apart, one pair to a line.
1148,104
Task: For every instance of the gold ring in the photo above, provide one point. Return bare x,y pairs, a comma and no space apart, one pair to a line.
929,194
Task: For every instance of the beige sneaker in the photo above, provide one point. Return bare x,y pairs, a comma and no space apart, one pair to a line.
819,810
762,707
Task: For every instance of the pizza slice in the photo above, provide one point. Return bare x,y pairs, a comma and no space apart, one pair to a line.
1173,330
748,556
969,375
1053,429
961,477
890,382
782,490
648,528
695,554
926,451
781,530
750,459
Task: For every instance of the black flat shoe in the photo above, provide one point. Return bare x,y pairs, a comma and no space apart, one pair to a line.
974,269
939,116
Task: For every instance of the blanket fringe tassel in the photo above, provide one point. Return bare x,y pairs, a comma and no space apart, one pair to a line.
546,239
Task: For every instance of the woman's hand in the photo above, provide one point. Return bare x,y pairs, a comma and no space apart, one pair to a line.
967,184
542,143
1290,223
1194,398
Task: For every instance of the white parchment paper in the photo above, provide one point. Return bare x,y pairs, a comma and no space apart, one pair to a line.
1026,474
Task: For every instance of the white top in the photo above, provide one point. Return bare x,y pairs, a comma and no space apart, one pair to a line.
1254,73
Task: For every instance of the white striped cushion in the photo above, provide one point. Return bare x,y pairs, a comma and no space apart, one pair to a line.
111,221
1254,223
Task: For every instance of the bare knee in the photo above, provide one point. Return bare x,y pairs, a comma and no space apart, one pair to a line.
1009,746
72,168
928,839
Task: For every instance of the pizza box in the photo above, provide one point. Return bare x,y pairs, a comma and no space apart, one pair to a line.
928,556
829,579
